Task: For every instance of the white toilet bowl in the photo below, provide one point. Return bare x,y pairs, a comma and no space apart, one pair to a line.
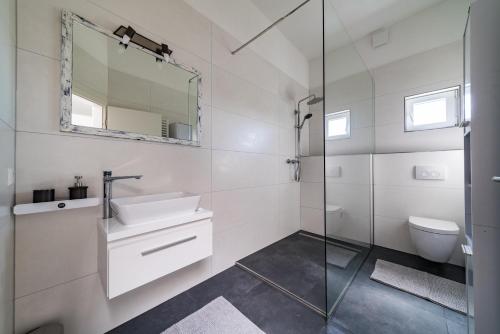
334,215
434,239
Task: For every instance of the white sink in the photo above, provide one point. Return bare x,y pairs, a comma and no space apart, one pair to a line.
143,209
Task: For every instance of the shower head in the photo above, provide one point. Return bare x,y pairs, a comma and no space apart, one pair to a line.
306,117
314,100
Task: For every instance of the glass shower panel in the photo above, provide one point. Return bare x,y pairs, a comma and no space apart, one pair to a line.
348,90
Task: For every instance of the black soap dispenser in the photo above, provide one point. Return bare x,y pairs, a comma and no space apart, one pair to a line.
78,191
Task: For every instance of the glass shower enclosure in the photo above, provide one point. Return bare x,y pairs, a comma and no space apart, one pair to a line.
348,145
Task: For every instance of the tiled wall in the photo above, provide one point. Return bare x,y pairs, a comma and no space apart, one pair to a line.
7,149
240,169
431,70
349,189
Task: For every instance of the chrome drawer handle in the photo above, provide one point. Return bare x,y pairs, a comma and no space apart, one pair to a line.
495,179
172,244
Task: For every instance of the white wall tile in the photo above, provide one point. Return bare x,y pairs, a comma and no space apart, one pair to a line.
253,206
313,169
391,138
349,227
38,93
419,70
54,248
360,142
287,142
354,169
399,169
312,220
237,133
54,160
289,208
312,195
246,64
353,198
235,95
400,202
233,170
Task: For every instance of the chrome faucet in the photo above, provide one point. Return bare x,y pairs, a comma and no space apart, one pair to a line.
108,190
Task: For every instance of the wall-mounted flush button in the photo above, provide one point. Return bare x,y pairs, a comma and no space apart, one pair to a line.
430,172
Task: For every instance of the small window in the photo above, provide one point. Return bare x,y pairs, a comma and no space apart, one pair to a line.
85,112
338,125
432,110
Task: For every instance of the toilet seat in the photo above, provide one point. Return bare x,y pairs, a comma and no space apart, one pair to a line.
434,225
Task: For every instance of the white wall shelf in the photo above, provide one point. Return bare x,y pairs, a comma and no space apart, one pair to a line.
32,208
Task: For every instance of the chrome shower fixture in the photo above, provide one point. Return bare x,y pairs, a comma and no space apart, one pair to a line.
306,117
299,124
314,100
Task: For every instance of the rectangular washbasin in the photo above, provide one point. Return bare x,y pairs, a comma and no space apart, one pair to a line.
143,209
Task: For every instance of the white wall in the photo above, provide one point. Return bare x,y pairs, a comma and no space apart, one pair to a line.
351,190
240,170
7,149
244,20
426,30
420,73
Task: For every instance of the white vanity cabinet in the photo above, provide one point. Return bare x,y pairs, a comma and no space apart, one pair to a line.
130,257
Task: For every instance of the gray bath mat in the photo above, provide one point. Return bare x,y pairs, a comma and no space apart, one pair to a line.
217,317
439,290
339,256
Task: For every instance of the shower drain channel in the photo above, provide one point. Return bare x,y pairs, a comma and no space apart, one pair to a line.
280,288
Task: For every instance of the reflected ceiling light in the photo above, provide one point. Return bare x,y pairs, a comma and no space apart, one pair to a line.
126,38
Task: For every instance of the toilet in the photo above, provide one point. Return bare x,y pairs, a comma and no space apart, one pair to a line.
334,215
434,239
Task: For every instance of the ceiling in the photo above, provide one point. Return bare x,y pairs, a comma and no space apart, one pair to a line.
344,20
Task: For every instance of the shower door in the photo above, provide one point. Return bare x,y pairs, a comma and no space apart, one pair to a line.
348,131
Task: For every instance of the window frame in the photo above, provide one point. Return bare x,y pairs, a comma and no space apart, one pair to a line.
338,115
452,112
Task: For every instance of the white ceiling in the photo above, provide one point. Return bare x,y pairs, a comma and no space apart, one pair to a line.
344,20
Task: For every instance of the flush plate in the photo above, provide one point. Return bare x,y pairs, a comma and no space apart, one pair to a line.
430,172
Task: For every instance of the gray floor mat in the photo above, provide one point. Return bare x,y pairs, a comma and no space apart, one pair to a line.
439,290
217,317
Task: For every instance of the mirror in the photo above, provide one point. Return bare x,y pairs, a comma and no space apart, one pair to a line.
123,92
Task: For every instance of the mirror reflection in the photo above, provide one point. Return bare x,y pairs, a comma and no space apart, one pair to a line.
129,90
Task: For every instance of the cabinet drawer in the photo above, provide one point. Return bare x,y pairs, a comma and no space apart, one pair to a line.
136,261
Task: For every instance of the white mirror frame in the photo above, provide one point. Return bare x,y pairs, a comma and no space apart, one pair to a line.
66,87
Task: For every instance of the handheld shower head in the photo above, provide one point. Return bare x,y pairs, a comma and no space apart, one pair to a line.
306,117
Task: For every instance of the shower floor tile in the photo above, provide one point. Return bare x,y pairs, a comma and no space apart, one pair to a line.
297,264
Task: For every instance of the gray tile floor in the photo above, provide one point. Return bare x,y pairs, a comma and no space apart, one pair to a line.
367,307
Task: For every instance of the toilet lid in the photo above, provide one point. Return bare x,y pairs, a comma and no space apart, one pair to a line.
433,225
